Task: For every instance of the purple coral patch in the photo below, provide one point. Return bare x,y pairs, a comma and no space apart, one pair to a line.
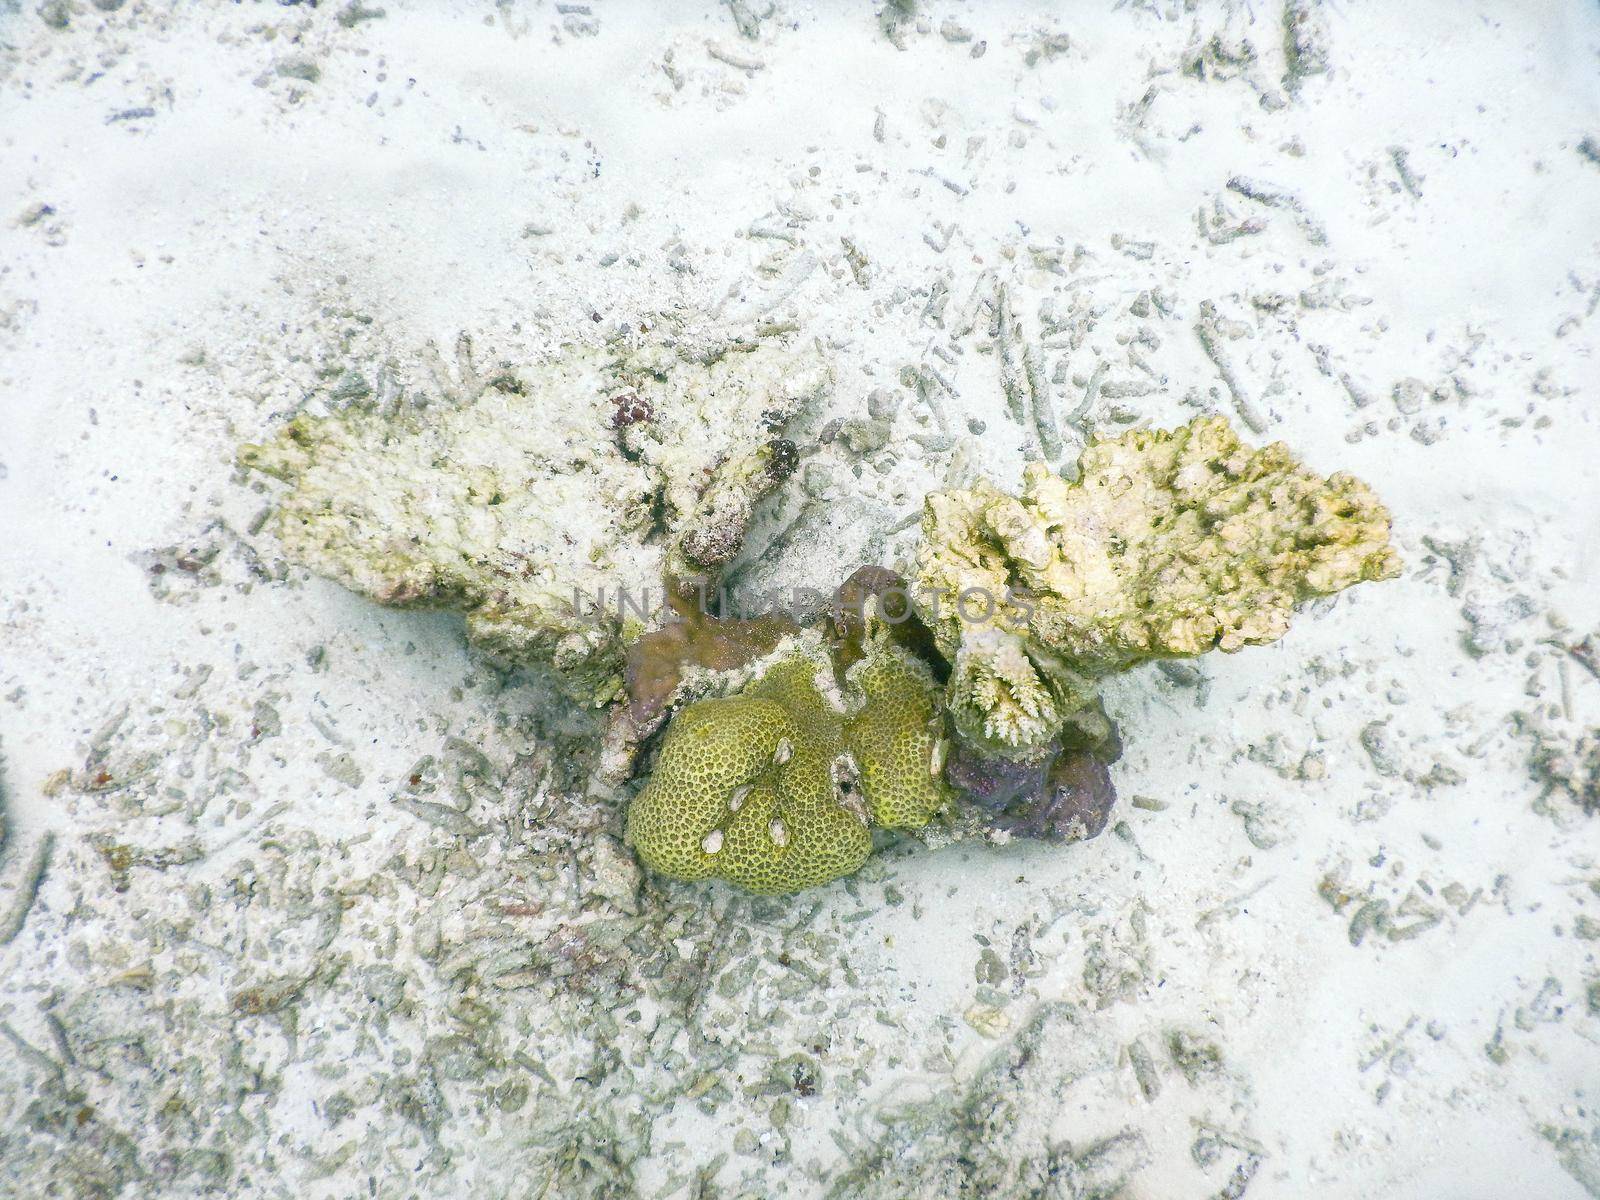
1059,796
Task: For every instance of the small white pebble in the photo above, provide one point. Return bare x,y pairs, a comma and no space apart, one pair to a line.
783,753
740,795
941,749
712,842
779,832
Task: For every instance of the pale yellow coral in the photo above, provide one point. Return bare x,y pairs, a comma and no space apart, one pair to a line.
1170,543
995,694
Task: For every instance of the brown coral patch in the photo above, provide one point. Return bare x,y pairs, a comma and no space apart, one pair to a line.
658,662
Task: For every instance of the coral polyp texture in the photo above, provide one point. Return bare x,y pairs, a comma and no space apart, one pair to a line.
524,497
1168,544
897,738
776,788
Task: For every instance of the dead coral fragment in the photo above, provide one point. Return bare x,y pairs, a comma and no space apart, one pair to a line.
718,520
524,498
1171,543
1567,761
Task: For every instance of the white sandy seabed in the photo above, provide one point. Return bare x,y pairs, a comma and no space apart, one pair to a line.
1347,941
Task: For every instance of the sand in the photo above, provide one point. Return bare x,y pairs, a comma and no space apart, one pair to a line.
300,897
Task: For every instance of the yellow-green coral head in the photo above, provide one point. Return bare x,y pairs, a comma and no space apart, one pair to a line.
747,789
897,738
776,789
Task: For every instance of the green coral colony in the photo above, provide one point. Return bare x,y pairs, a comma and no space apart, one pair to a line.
773,773
777,788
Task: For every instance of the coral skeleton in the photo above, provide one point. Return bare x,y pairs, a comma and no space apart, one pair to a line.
535,501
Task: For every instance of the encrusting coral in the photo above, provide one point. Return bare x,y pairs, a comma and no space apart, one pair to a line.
776,788
1170,543
528,498
1062,795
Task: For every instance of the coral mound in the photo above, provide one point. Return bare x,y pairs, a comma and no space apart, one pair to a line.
528,499
776,788
1168,544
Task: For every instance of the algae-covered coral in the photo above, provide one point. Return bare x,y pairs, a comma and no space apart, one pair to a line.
1167,544
528,496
